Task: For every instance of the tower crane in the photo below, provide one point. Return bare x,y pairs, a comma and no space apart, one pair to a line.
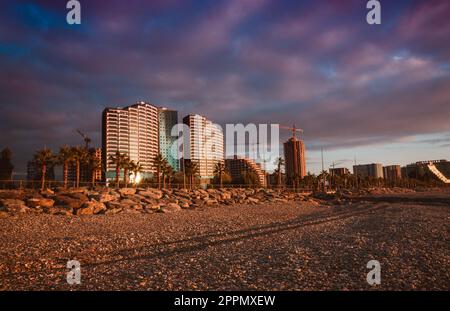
293,129
86,139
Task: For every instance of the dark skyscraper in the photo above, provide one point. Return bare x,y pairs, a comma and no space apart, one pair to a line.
294,154
167,120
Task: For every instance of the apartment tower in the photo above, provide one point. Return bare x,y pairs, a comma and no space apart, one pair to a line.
168,119
134,131
295,163
205,144
237,167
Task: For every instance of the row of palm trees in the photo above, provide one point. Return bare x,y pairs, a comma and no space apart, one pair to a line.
164,172
122,161
67,156
79,157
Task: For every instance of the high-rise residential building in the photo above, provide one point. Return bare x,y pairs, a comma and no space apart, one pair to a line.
134,131
237,167
205,144
392,172
374,170
295,163
168,119
339,171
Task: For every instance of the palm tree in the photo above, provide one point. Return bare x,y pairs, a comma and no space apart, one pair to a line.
165,168
170,176
43,159
309,180
158,162
279,162
80,156
6,167
118,159
250,178
127,166
95,165
132,167
136,168
323,179
65,158
192,170
220,170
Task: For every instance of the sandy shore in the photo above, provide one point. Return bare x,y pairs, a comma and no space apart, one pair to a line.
242,247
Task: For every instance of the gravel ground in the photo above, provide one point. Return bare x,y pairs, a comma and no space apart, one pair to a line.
257,247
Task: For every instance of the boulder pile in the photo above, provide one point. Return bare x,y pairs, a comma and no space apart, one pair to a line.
135,200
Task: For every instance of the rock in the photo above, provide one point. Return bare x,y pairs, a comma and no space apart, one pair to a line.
13,206
130,210
127,202
127,191
59,211
185,205
226,196
3,214
211,201
97,206
103,197
197,202
36,202
155,194
11,194
170,208
15,209
113,205
85,211
78,190
153,207
9,202
135,198
80,196
253,200
69,202
91,208
113,210
47,192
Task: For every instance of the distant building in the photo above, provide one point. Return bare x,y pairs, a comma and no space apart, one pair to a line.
97,152
134,131
236,167
339,171
295,164
206,145
392,172
167,120
428,170
34,172
374,170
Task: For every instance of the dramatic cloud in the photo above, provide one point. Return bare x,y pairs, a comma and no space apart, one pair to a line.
313,63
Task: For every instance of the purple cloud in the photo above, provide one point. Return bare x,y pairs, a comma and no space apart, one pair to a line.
316,64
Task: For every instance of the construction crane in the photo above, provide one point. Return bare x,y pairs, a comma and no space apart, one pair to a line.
86,139
337,163
293,129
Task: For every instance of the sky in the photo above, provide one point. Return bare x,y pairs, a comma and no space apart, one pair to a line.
370,93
